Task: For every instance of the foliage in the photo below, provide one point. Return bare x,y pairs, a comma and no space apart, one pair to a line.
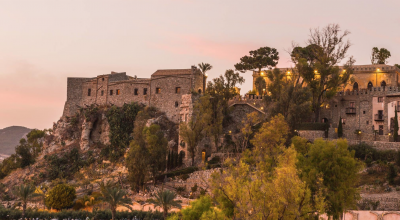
260,85
369,154
288,97
340,128
60,197
65,165
201,209
261,58
121,120
200,124
137,164
25,193
392,173
397,65
379,56
115,197
338,169
396,126
317,64
25,153
166,200
204,68
184,171
156,145
264,183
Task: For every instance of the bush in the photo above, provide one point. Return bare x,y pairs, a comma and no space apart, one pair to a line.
65,165
369,154
313,126
60,197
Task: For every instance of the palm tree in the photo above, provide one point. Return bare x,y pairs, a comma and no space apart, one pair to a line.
115,197
166,200
204,67
25,193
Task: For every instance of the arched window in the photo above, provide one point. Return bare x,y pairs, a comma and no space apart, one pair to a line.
355,86
383,83
182,153
370,85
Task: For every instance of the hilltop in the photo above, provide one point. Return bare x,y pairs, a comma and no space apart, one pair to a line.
9,138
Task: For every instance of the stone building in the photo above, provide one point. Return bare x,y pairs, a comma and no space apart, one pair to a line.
367,105
164,90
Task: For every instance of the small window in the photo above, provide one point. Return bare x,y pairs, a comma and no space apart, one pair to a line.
136,92
158,90
118,91
364,112
102,92
102,79
367,122
343,121
89,92
178,90
111,92
335,106
145,91
380,99
176,104
352,104
199,91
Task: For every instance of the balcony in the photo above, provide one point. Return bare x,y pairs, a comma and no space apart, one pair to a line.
351,110
378,117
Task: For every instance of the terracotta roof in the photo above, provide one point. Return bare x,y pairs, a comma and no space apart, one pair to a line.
172,72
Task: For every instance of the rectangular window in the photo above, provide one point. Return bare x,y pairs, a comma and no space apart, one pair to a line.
111,92
380,99
380,129
343,121
118,92
398,106
178,90
102,92
89,92
352,104
144,91
136,92
158,90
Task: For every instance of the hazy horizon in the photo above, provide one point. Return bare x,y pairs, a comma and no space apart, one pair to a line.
43,42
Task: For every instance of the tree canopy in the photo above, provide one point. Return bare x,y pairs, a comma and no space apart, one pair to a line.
259,59
379,56
60,197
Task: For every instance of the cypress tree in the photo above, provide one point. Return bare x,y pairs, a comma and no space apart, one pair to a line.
340,128
176,161
169,160
172,159
396,126
180,159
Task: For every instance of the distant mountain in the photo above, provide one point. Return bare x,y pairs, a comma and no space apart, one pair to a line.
9,138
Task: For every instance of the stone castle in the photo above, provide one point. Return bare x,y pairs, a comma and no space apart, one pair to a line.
368,105
164,90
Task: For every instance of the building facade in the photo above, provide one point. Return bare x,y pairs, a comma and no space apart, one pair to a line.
163,90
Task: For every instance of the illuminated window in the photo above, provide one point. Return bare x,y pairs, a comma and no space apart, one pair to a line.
343,121
89,92
118,92
178,90
136,91
158,90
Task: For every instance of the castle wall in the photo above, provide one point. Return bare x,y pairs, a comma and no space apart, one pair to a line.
198,81
168,100
74,95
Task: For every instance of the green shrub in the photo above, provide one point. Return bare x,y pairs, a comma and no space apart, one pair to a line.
369,154
60,197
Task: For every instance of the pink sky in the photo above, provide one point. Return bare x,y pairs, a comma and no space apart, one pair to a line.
42,42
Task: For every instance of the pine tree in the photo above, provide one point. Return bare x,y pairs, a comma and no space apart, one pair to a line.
340,128
396,126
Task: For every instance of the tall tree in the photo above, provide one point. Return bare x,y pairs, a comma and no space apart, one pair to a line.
396,126
115,197
288,97
205,67
198,126
379,56
259,59
264,183
166,200
25,193
260,85
317,64
156,145
340,128
336,166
